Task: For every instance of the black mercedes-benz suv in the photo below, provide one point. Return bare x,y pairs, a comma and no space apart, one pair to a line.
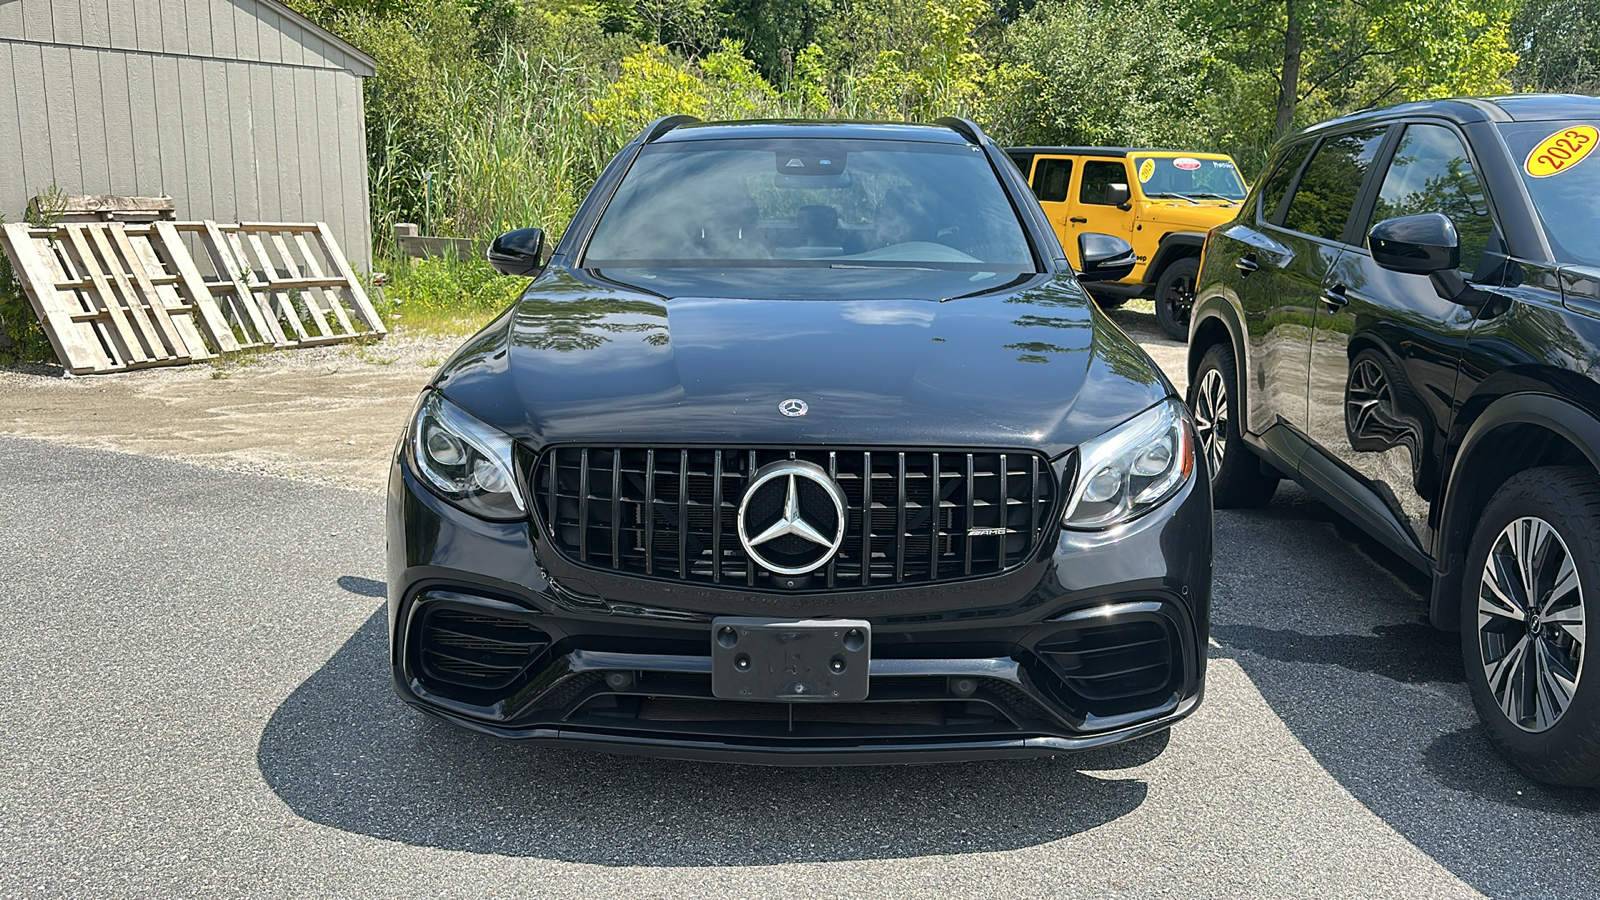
803,446
1405,318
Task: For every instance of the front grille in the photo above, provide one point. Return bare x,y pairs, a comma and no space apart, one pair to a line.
912,516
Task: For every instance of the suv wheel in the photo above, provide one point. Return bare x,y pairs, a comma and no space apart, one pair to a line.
1536,558
1175,297
1236,476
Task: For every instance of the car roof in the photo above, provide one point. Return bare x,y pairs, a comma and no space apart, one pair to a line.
1103,151
795,128
1468,110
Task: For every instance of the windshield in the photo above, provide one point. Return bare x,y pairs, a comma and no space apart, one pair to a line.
1186,176
809,202
1563,180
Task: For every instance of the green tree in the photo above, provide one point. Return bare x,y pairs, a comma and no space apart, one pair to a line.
1557,46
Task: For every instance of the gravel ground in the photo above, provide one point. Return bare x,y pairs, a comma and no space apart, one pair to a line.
195,702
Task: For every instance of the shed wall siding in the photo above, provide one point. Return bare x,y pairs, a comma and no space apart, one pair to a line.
227,138
251,30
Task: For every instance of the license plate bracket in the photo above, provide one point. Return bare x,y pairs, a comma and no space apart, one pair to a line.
790,660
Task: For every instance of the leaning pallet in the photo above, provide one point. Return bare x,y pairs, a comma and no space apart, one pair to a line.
287,283
112,296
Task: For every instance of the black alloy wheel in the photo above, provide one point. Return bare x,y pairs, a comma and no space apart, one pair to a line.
1175,297
1237,479
1534,569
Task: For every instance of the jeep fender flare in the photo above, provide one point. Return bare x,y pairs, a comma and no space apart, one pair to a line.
1574,423
1173,245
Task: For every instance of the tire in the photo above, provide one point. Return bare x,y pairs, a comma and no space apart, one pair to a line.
1557,511
1175,297
1237,479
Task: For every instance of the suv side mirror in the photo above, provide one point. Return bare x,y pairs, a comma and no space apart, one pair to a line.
1105,258
1117,195
519,252
1418,245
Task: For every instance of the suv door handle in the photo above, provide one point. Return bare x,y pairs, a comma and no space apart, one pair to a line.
1079,220
1246,264
1335,298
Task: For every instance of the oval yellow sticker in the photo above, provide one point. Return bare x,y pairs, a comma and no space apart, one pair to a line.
1147,170
1561,151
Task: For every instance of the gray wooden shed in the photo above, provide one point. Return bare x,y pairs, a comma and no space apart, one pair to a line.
240,110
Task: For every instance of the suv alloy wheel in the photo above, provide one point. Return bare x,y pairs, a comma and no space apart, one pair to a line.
1523,637
1237,479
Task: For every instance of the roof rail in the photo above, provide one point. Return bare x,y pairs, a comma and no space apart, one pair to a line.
665,124
964,127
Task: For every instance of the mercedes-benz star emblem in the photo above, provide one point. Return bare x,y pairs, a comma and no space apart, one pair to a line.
793,408
791,520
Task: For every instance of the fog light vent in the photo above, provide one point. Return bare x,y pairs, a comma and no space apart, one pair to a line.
477,649
1114,661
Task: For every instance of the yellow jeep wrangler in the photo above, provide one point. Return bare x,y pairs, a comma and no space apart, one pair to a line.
1161,201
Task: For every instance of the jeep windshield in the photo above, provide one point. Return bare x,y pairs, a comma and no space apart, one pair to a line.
1189,177
812,203
1563,181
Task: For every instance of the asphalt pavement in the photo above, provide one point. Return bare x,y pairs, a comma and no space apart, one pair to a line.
194,702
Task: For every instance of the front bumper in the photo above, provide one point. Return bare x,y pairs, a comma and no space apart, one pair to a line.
1100,639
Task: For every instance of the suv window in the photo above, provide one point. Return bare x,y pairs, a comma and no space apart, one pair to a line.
1050,180
1432,174
1098,177
1326,194
796,202
1276,187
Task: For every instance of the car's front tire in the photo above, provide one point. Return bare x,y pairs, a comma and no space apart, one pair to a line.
1237,476
1175,297
1533,583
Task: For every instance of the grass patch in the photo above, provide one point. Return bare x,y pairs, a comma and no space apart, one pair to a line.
445,297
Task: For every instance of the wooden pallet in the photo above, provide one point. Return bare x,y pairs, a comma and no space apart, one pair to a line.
286,284
112,296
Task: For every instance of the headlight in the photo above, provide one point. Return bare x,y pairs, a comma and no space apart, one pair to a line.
465,460
1132,468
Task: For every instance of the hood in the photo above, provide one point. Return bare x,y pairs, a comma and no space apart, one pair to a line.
1198,216
586,358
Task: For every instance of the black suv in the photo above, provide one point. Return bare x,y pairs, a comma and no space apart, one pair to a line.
805,445
1405,319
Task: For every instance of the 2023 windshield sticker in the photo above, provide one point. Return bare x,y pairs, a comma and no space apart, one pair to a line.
1561,151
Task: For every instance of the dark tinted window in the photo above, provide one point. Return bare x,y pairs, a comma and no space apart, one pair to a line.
1050,180
1327,191
797,202
1430,173
1567,200
1274,189
1098,177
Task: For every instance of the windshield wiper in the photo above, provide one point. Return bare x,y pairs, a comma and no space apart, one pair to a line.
883,266
1175,196
1210,196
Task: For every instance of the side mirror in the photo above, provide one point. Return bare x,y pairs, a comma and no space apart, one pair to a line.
1418,245
1117,195
519,252
1105,258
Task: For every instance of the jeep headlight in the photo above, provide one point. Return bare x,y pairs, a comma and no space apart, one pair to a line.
1132,468
465,460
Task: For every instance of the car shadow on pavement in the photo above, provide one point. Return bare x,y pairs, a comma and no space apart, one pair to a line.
1327,625
343,751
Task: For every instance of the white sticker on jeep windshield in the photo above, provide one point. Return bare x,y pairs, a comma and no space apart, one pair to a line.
1186,163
